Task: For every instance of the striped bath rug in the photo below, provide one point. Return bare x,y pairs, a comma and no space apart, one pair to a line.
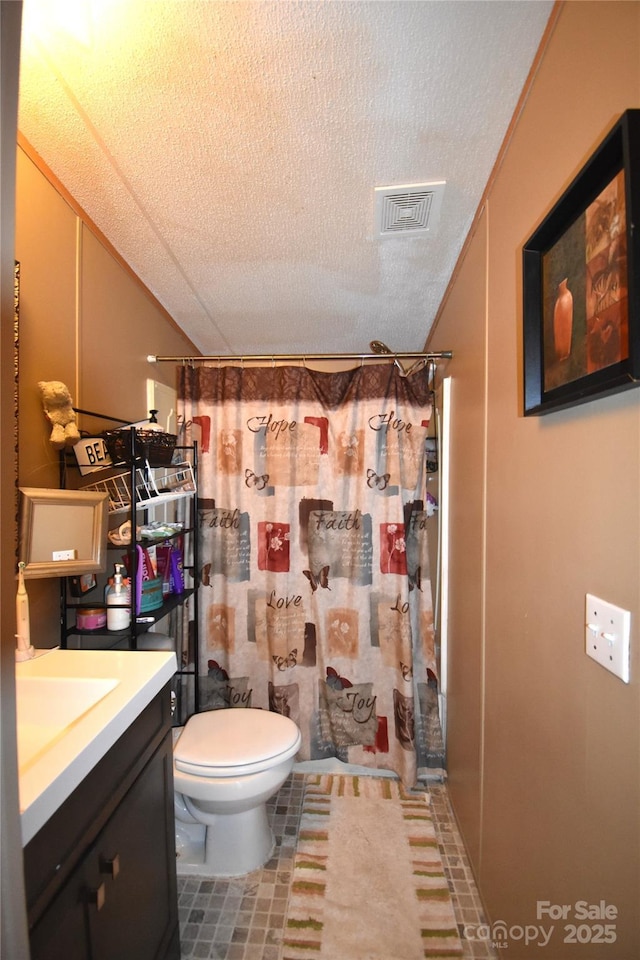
368,882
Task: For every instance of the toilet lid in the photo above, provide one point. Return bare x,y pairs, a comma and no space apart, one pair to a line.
233,738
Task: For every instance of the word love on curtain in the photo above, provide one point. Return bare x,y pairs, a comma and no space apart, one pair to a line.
315,596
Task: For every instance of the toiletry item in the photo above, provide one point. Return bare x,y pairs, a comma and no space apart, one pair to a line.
153,422
148,587
24,649
163,555
151,597
121,536
153,560
177,572
146,569
82,584
118,602
91,618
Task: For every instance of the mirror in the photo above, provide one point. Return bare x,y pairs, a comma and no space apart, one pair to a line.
62,532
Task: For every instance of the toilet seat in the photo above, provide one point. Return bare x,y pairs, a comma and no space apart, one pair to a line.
232,742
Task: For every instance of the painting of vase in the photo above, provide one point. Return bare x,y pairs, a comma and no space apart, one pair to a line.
581,336
563,321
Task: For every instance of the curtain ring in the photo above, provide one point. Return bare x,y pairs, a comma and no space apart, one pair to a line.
273,362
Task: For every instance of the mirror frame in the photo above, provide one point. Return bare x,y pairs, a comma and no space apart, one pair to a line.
40,505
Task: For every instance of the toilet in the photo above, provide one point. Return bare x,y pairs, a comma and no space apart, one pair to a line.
226,764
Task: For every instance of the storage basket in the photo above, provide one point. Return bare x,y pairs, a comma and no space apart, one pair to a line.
172,483
154,446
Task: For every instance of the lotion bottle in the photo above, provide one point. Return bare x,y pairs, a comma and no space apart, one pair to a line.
153,422
118,602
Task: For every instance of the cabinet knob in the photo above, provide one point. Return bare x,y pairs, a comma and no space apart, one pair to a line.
110,865
97,896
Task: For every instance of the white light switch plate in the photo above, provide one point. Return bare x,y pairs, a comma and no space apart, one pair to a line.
607,631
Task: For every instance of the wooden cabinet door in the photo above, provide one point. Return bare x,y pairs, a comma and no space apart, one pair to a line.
61,932
134,858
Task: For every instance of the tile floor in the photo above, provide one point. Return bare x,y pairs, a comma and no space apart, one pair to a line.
243,919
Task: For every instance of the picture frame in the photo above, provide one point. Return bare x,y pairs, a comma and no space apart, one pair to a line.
72,523
581,282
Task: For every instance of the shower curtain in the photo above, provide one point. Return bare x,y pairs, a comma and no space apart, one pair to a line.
315,592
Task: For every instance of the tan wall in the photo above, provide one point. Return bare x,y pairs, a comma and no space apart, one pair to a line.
85,320
13,919
544,752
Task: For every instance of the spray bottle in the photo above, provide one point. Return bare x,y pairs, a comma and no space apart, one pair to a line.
118,602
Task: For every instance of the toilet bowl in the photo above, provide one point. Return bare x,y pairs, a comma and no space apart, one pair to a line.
226,765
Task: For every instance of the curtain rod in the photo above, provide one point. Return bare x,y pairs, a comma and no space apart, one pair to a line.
302,357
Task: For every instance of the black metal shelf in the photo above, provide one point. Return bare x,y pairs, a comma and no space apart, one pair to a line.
132,466
144,621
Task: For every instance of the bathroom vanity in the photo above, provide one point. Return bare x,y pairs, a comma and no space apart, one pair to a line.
97,810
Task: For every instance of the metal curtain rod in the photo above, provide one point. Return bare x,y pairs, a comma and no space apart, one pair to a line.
301,357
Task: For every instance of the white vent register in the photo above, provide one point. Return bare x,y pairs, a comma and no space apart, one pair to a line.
411,209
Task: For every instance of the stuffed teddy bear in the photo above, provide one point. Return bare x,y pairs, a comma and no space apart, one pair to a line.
58,407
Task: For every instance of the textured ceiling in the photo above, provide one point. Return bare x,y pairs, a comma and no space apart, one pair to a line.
229,151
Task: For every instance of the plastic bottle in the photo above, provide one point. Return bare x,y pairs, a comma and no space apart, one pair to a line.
153,422
118,602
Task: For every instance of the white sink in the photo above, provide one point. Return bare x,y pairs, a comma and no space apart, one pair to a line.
48,706
73,705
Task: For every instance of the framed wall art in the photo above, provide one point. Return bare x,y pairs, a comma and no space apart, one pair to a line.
63,533
581,282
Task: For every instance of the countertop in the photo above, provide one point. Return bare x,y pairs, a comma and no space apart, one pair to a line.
51,776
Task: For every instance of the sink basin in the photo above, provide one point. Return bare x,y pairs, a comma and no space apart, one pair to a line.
73,706
48,706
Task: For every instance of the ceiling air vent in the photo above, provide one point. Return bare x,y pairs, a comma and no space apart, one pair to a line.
408,210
